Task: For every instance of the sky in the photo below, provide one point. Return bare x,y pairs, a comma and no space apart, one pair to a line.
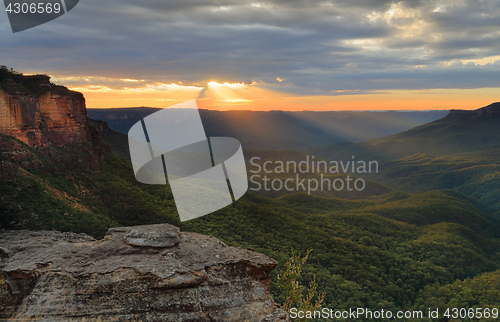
269,55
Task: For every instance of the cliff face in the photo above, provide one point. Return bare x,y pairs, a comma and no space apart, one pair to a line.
52,115
143,273
102,127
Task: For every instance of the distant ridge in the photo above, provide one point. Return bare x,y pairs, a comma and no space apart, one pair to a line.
492,110
458,132
279,130
460,151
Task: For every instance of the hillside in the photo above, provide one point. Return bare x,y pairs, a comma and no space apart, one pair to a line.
458,132
371,249
482,291
460,151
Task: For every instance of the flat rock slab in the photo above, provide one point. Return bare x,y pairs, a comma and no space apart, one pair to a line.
162,236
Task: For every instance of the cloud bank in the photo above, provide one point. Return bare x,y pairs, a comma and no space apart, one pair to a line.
302,47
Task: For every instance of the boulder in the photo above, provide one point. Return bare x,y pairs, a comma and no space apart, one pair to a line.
142,273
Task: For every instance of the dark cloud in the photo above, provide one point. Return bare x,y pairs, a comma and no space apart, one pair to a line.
316,46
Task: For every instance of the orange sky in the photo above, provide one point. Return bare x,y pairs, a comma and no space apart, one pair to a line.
225,96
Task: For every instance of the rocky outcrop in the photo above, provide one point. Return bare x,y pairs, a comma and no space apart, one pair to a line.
47,114
102,127
143,273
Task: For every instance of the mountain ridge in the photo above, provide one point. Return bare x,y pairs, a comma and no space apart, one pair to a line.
492,110
460,131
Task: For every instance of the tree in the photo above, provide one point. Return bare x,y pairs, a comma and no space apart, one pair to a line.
293,293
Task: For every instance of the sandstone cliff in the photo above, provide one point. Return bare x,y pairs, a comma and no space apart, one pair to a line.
143,273
39,113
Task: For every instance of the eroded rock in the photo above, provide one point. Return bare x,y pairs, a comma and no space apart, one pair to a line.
160,236
58,118
143,273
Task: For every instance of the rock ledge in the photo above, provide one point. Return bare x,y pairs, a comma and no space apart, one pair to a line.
142,273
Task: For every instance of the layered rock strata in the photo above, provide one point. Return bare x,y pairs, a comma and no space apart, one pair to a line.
52,115
143,273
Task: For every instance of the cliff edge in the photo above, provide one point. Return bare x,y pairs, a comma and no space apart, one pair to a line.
39,113
143,273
